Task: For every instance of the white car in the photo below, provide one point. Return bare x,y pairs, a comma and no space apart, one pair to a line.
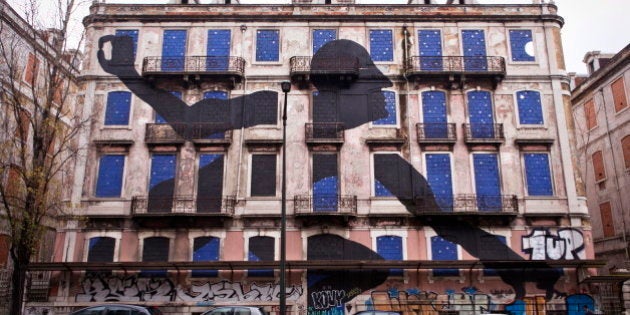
236,310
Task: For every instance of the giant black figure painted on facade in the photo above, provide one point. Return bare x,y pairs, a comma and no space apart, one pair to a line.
356,104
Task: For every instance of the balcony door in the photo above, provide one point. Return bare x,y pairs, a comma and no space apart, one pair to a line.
325,182
174,50
474,45
440,180
210,183
487,182
480,114
434,115
218,50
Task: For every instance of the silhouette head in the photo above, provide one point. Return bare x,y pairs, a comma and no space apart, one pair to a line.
359,97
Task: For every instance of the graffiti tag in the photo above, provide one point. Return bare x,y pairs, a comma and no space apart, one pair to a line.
542,244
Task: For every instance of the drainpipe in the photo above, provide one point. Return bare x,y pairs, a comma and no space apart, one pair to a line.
243,28
609,137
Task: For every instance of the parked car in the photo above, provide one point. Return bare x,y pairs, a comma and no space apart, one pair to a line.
376,312
236,310
118,309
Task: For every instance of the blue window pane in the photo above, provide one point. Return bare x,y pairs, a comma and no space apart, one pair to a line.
381,45
474,43
159,119
134,36
173,50
390,106
538,174
110,176
440,180
218,50
442,249
430,49
529,108
118,107
380,190
480,114
321,37
205,249
267,45
390,248
519,41
487,182
434,114
162,169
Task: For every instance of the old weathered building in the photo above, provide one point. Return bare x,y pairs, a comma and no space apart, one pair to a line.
602,126
429,160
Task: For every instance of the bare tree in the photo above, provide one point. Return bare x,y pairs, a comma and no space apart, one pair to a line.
40,119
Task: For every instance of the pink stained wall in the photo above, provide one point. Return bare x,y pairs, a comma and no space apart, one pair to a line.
294,246
181,247
362,237
129,247
237,245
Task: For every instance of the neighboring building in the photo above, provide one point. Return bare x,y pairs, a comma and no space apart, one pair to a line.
473,97
602,126
36,78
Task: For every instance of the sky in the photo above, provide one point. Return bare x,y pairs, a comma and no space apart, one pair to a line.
590,25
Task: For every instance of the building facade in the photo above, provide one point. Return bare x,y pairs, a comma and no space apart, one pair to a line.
600,103
428,160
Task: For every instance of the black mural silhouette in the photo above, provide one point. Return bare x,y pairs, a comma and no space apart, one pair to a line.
351,104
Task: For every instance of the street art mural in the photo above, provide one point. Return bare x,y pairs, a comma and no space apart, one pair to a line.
350,104
112,288
543,244
472,301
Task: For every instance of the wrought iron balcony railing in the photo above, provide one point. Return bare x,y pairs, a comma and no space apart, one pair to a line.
466,203
475,65
177,132
325,204
201,65
160,205
324,65
324,132
436,132
483,133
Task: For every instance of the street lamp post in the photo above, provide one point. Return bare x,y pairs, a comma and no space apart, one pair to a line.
286,87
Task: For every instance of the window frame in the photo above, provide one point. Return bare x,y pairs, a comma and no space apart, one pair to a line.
396,107
543,125
197,168
312,31
625,94
104,115
421,103
509,47
460,35
603,163
473,178
551,174
452,167
373,179
392,47
626,158
402,233
595,123
122,182
117,236
428,235
249,174
175,176
142,236
255,48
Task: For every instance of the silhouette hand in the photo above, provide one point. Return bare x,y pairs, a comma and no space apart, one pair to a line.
122,59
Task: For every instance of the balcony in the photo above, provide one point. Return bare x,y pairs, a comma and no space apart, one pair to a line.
325,208
454,71
199,133
196,68
181,210
479,133
324,133
341,70
467,204
436,133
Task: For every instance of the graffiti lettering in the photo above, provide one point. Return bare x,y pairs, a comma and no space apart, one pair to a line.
110,288
327,299
332,311
541,244
97,288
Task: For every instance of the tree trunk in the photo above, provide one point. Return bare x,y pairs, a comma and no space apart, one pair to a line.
18,283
